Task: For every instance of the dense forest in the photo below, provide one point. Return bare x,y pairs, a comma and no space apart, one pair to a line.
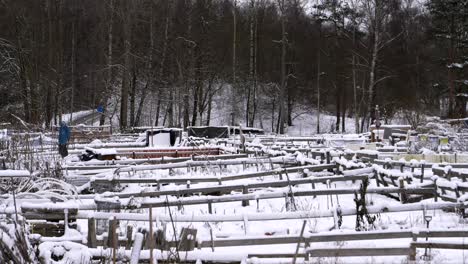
175,60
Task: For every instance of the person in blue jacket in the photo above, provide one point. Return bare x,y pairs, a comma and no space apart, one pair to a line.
64,136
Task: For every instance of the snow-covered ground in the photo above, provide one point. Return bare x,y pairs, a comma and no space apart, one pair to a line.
208,195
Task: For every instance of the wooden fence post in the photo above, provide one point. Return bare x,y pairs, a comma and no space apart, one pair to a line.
376,176
300,241
403,196
137,244
245,190
422,172
112,239
210,207
129,237
412,254
92,233
151,235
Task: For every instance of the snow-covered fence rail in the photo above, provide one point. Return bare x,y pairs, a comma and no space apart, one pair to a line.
450,171
228,188
383,251
291,139
408,249
403,248
110,145
273,195
14,174
399,178
100,164
125,255
443,184
183,180
55,211
168,152
416,164
344,163
344,236
367,155
453,191
85,213
193,164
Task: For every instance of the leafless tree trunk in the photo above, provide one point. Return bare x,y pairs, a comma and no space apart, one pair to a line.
22,73
318,75
252,86
234,46
59,66
126,69
378,15
343,111
109,81
149,67
355,100
189,75
51,70
282,109
73,81
133,87
163,60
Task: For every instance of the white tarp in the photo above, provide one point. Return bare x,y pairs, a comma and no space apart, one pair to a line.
160,140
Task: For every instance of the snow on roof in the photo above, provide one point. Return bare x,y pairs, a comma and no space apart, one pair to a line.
14,173
103,151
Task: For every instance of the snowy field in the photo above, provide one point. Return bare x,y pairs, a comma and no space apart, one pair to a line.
316,199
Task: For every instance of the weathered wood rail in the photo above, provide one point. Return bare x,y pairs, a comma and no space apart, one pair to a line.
404,248
228,188
452,171
104,164
56,211
193,164
191,180
83,214
142,153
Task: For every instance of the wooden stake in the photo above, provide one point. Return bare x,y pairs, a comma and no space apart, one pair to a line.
92,233
113,228
245,190
129,237
150,236
300,240
403,196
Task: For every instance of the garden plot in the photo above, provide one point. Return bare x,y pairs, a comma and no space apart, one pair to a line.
282,204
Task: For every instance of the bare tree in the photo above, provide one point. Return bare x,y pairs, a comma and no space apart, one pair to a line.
282,109
377,18
127,28
252,86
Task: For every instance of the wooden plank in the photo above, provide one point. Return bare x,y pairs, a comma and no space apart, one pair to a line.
262,196
275,255
98,164
443,233
440,245
220,189
310,238
356,252
215,179
187,164
212,189
92,233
